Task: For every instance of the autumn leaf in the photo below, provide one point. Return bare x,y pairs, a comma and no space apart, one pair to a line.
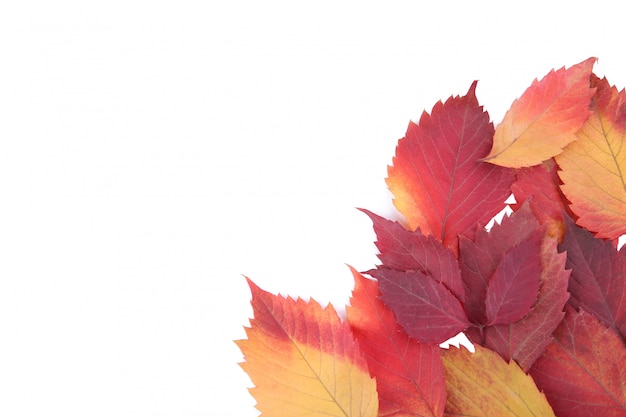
406,250
514,286
304,361
539,185
426,309
541,294
409,374
544,119
523,340
583,372
483,384
438,182
480,258
593,168
598,278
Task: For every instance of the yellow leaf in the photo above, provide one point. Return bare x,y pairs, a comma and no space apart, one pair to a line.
593,169
304,361
484,384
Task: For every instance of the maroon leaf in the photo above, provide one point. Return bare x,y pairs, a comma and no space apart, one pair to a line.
426,309
405,250
479,259
525,340
598,279
514,286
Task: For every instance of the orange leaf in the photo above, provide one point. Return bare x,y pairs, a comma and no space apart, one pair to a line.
544,119
304,361
483,384
593,168
409,374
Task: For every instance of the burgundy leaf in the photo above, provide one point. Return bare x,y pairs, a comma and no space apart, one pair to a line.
514,287
406,250
426,309
525,340
479,259
598,279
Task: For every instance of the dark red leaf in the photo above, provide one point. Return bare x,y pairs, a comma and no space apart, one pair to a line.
525,340
426,309
405,250
598,279
479,259
514,286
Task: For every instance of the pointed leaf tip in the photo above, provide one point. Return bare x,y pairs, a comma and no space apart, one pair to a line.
593,168
436,178
409,374
544,119
483,384
304,360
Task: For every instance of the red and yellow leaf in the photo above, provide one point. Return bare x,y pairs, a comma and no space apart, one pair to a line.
409,374
304,360
544,119
583,372
598,278
483,384
593,168
438,182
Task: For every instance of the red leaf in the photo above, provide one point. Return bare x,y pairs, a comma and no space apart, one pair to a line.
409,375
479,259
598,279
424,307
514,286
583,372
525,339
404,250
438,182
539,186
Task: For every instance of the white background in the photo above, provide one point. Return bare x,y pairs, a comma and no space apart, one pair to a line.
153,152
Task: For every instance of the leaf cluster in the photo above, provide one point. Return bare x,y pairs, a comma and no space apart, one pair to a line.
541,295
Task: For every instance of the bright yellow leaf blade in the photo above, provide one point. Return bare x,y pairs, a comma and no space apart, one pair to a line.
482,384
593,169
304,361
544,119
